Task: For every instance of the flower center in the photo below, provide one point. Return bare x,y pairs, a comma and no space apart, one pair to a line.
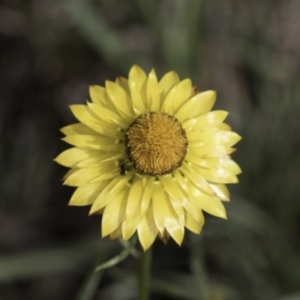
156,144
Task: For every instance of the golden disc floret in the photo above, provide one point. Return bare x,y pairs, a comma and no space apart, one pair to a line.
156,144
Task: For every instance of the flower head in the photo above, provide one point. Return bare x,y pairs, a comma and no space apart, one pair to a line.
150,156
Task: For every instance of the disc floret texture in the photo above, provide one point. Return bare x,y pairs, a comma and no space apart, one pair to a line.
150,156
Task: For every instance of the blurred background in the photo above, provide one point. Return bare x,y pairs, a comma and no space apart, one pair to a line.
248,51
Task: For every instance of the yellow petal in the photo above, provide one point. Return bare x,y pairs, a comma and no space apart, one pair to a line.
82,176
147,193
93,142
116,233
225,138
133,209
99,97
137,79
158,207
153,99
215,163
230,165
188,205
137,101
72,156
177,96
86,195
99,212
216,175
196,178
77,129
210,204
192,225
69,173
177,197
209,151
147,230
172,225
165,216
200,134
221,191
223,163
123,83
196,106
108,116
210,119
134,198
224,126
108,174
97,160
97,94
129,228
195,159
84,114
169,80
120,99
110,192
137,75
114,212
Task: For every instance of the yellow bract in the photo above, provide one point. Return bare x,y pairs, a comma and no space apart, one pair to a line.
105,177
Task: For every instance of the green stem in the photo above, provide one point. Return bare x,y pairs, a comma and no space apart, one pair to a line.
197,268
144,274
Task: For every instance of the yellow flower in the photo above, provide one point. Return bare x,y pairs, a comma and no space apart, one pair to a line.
150,156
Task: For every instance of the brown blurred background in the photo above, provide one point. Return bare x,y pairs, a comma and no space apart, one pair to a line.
248,51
